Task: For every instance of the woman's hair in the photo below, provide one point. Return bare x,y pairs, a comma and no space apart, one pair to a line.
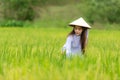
83,38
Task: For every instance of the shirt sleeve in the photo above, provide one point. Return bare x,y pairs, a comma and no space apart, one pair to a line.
63,48
67,45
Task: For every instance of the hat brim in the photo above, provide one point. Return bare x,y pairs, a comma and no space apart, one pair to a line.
80,22
79,25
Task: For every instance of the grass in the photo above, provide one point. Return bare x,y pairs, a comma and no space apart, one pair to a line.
34,54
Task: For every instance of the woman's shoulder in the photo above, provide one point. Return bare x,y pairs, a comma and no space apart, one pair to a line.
69,37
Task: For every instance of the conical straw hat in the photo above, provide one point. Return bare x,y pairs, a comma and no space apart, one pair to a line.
80,22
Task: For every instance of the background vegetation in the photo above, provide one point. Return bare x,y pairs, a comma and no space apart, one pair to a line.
20,12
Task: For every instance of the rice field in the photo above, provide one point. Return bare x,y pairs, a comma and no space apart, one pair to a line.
35,54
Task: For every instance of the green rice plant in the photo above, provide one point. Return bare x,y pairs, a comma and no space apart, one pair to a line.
35,54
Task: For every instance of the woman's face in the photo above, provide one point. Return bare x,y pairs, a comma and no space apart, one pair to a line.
78,30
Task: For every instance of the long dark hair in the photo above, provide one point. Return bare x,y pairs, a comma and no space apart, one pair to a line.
83,38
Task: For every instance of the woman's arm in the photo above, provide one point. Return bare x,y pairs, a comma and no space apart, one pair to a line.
67,45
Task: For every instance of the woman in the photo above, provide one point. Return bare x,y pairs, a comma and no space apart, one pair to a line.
77,38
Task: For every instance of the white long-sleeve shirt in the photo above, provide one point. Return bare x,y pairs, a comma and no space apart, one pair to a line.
72,45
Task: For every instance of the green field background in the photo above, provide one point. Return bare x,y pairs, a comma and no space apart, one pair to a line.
35,54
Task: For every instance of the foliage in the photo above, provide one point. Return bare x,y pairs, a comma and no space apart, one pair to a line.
13,23
24,9
104,11
18,9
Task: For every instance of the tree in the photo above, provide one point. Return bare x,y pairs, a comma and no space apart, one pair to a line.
104,11
18,9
